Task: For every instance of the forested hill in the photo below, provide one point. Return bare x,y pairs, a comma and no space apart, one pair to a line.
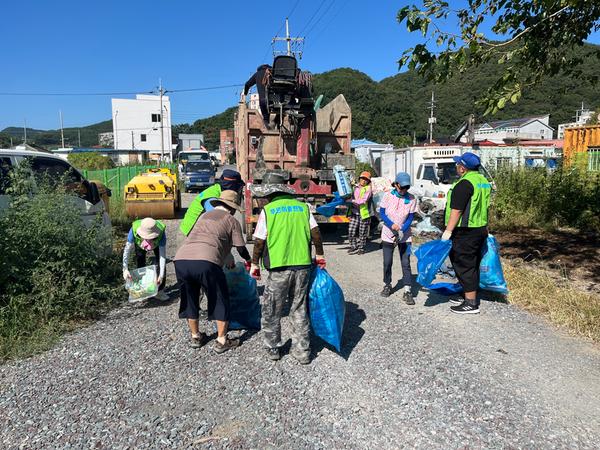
51,138
390,110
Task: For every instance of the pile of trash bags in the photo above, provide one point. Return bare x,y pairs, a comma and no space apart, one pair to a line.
432,255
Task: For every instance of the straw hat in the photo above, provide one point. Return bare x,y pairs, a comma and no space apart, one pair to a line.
148,229
231,199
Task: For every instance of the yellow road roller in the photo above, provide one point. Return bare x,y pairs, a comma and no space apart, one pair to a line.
153,194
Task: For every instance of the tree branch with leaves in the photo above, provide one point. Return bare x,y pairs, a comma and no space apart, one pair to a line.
529,40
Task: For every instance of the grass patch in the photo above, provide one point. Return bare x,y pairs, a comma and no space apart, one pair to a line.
555,299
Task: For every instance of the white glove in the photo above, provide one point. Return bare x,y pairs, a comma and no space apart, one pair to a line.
446,235
399,235
126,275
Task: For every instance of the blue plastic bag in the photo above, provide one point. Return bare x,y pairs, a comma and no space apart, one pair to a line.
328,209
327,308
491,277
430,257
244,312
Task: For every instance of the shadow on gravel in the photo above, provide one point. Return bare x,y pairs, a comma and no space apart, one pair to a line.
434,299
353,332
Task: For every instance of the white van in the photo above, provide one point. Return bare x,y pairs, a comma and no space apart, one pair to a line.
45,164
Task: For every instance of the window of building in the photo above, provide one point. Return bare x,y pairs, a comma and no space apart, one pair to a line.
143,137
594,160
503,162
156,118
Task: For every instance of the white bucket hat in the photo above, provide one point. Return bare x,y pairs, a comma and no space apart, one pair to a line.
148,229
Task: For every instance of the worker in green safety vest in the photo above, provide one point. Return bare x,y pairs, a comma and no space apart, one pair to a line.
230,180
360,215
283,236
147,235
466,225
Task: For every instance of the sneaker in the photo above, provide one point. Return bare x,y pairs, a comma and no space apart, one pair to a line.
465,308
228,345
274,354
162,296
456,301
387,290
408,298
352,251
360,252
197,341
304,359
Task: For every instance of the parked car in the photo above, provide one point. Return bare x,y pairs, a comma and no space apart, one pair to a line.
47,166
198,175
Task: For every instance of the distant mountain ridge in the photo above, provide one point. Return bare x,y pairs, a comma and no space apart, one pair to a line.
396,108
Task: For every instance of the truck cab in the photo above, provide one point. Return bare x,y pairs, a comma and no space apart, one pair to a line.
198,174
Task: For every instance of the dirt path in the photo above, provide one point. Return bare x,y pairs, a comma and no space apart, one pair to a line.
407,377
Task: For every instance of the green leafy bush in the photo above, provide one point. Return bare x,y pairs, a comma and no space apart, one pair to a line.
538,198
55,272
91,161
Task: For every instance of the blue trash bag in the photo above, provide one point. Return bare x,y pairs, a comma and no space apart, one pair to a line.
491,277
327,308
328,209
244,312
430,257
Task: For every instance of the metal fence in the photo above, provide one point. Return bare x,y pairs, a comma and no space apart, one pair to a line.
116,179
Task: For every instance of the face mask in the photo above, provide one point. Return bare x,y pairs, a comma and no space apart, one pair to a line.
146,245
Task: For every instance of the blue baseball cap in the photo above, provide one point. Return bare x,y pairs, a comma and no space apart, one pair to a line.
231,175
470,160
403,179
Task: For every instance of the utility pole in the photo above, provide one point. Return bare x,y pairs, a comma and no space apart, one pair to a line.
162,131
25,132
132,143
62,134
116,131
79,137
289,39
432,118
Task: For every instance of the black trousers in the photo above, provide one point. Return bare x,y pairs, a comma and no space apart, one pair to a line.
467,245
388,261
194,276
141,261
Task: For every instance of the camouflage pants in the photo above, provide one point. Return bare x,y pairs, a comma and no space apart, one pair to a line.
280,286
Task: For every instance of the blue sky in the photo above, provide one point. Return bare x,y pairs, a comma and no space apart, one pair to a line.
126,46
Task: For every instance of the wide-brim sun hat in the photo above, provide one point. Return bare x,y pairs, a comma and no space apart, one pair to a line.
272,183
230,199
148,229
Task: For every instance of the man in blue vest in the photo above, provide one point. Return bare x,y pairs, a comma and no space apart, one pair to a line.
466,224
283,236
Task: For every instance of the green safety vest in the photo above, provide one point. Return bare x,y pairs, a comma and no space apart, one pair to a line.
138,240
288,232
476,213
196,208
364,208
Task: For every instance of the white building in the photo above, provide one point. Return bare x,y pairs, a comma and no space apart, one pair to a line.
137,124
582,117
254,101
506,131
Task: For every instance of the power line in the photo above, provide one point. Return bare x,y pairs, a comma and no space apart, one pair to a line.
320,17
280,28
312,17
337,13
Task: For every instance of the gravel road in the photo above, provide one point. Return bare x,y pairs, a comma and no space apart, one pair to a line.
408,377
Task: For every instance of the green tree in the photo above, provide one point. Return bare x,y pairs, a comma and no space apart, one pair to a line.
90,161
540,37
